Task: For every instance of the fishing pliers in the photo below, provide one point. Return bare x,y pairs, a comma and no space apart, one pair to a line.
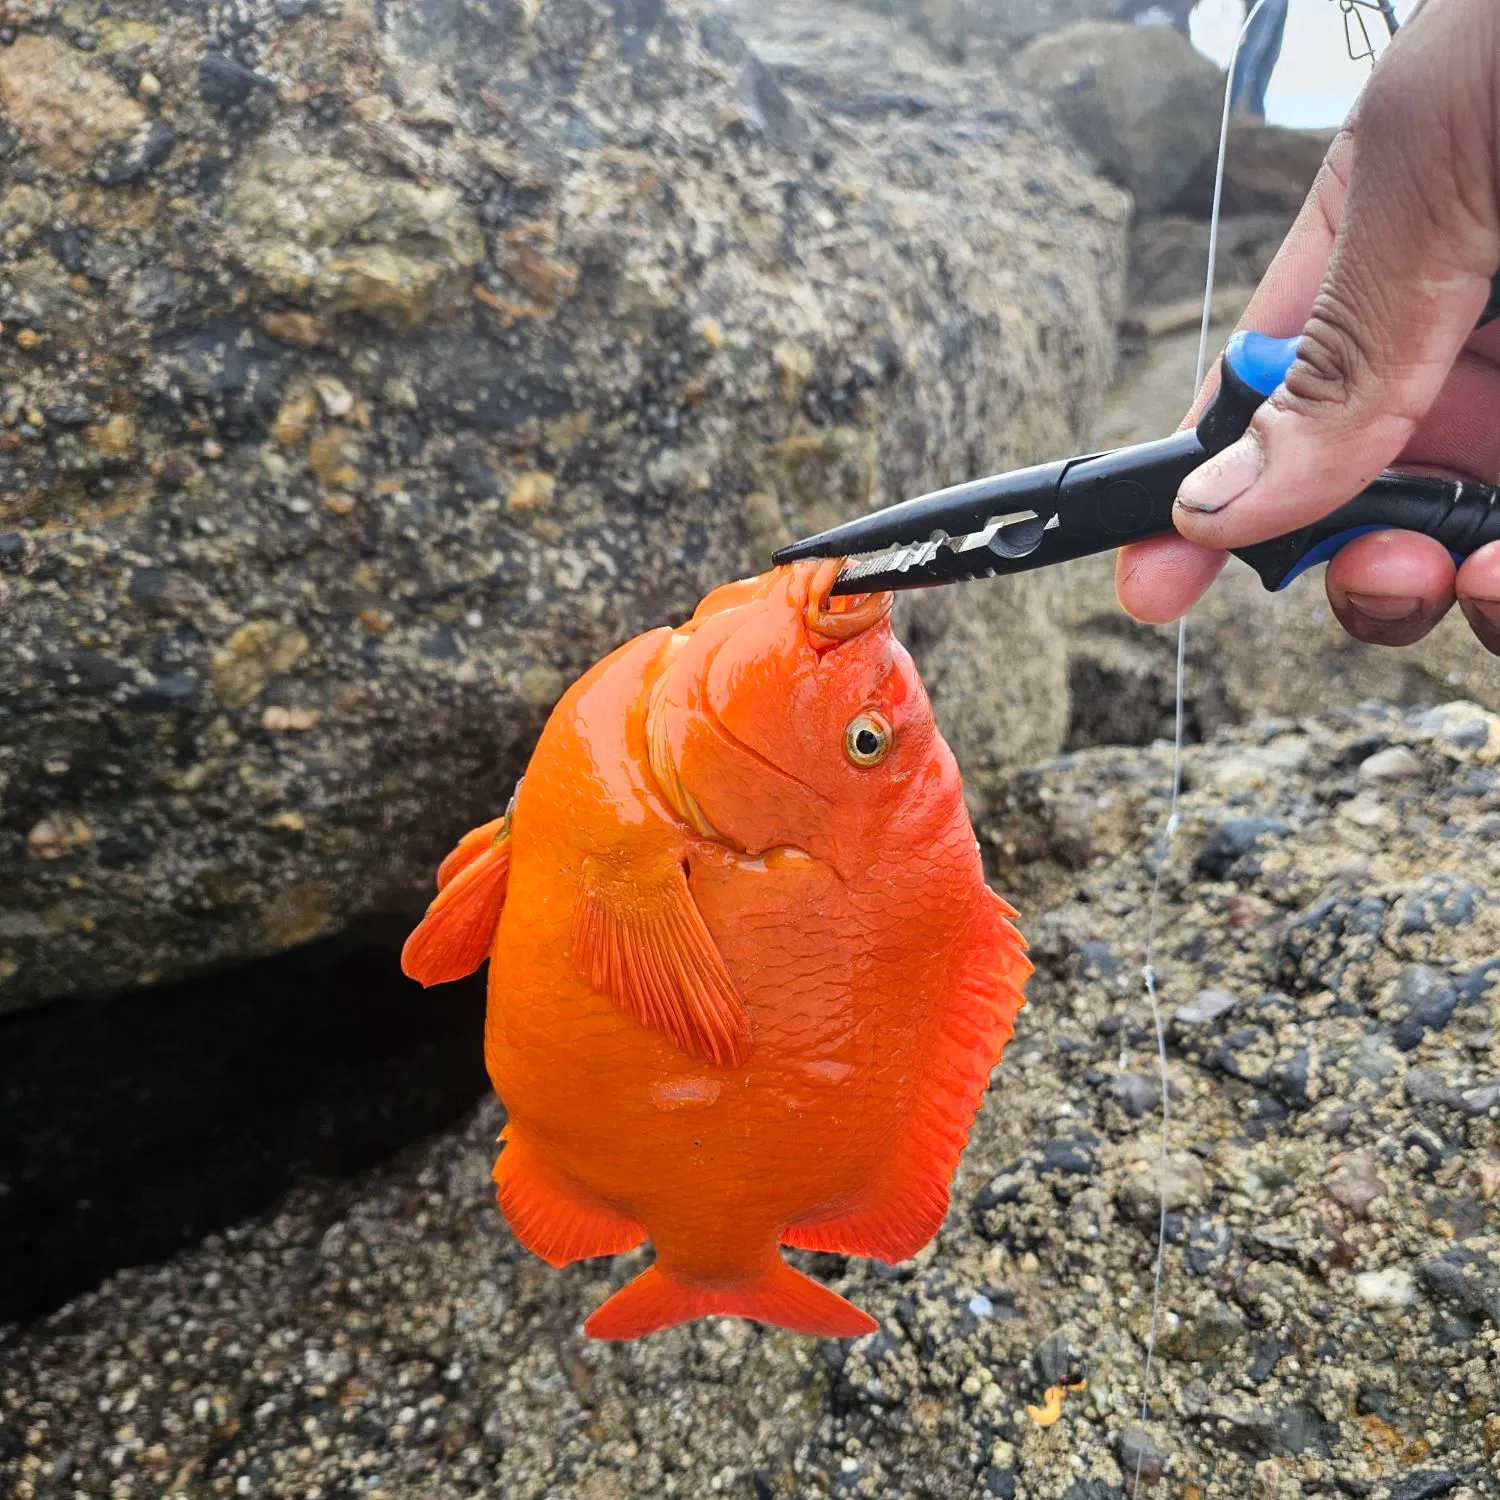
1075,507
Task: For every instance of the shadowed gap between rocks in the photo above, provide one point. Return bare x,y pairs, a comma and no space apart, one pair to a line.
129,1131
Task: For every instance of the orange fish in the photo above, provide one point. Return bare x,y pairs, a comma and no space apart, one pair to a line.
747,982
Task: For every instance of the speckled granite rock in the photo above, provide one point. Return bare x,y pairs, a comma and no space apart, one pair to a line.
1331,1298
369,371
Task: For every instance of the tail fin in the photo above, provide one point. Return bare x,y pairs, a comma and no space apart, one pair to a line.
787,1298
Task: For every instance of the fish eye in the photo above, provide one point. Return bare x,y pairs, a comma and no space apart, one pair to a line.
867,740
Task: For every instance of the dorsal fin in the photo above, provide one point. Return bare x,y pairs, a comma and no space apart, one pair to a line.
469,848
639,938
455,936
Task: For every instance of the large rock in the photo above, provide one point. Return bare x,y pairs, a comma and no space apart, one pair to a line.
1169,255
1141,100
1267,169
842,61
390,1337
982,30
1015,22
1249,653
398,364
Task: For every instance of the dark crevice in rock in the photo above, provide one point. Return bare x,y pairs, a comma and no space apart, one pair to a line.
1121,692
131,1128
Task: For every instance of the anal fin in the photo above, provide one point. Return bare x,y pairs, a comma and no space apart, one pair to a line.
896,1219
553,1217
639,938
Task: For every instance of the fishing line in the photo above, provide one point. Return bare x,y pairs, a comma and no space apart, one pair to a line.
1169,828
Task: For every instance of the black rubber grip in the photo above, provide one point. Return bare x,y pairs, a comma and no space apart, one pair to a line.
1463,517
1492,307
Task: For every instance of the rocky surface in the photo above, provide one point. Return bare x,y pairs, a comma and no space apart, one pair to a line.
1169,255
1141,100
369,371
1268,172
986,31
848,64
1267,169
1330,1315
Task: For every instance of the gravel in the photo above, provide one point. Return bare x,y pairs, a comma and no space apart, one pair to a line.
1331,1282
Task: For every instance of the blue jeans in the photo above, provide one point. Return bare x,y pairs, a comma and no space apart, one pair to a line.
1257,59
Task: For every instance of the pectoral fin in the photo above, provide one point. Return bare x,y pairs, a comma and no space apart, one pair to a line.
455,936
639,938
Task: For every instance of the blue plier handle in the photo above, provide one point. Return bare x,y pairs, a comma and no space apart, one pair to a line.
1076,507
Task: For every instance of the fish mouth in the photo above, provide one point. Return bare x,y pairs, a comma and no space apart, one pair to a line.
832,619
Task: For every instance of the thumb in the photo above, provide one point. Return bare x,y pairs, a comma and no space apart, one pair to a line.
1409,273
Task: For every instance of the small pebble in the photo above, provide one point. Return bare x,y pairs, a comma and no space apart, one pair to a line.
279,720
1072,1155
1354,1183
1141,1456
1426,1484
1206,1006
148,86
1391,764
1391,1288
1480,1100
336,397
1135,1093
1462,724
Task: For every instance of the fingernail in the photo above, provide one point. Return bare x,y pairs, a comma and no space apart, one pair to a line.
1489,609
1381,607
1225,477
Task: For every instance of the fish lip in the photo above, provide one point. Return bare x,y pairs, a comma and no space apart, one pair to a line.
856,613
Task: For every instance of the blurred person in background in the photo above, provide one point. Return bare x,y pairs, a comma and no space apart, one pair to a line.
1258,53
1174,13
1257,57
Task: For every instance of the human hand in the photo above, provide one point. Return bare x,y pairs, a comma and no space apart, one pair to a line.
1385,272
